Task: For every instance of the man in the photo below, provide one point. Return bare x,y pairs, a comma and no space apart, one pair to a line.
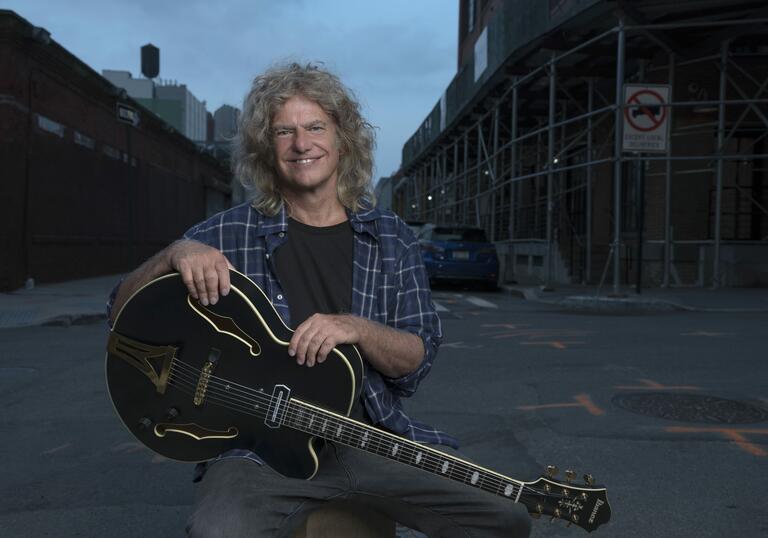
338,271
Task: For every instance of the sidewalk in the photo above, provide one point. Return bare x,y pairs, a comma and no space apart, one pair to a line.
63,303
83,301
586,298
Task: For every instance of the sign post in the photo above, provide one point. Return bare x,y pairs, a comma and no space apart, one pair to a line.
646,130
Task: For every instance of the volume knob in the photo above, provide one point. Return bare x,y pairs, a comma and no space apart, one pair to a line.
144,423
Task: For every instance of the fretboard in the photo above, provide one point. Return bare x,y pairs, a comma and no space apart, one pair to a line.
343,430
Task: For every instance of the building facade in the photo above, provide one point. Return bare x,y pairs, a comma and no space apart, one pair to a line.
615,143
92,183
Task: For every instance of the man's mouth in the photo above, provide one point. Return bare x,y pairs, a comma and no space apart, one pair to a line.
305,161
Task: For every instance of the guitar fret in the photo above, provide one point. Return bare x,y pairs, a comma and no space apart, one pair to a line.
315,422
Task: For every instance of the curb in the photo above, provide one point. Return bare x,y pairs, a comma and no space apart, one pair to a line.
68,320
619,304
9,321
603,304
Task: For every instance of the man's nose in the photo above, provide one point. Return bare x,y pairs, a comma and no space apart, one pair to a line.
301,142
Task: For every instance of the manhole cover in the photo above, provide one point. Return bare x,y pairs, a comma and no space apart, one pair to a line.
691,408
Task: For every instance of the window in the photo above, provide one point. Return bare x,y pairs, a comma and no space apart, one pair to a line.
111,152
48,125
470,16
84,141
472,235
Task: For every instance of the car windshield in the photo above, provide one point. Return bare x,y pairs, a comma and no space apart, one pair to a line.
471,235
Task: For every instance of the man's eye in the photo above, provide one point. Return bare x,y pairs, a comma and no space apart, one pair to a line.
316,128
282,132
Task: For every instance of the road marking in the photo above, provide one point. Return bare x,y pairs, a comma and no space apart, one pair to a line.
654,385
56,449
533,333
734,434
582,400
461,345
127,448
439,307
504,325
477,301
705,333
557,344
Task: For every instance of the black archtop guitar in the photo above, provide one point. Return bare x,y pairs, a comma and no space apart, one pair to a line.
192,381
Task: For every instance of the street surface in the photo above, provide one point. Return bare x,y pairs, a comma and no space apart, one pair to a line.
669,411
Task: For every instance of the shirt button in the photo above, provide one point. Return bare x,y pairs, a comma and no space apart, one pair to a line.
279,297
267,256
281,234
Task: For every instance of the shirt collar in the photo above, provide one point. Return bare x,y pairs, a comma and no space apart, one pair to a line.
361,221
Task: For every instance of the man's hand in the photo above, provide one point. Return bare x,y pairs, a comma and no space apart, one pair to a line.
204,269
320,333
392,352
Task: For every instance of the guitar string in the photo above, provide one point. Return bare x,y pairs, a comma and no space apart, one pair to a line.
490,481
352,434
381,441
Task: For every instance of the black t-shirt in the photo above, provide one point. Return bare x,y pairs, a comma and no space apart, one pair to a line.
314,267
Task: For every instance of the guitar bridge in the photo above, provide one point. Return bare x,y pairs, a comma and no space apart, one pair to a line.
205,376
152,361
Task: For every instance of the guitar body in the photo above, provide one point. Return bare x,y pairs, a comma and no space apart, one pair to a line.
172,362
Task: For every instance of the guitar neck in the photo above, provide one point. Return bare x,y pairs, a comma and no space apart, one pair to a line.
343,430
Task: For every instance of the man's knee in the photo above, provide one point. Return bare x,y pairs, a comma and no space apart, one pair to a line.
222,506
517,522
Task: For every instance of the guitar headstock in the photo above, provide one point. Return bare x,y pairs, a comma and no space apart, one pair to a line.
582,504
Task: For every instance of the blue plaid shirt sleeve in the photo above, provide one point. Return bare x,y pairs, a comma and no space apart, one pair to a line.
416,314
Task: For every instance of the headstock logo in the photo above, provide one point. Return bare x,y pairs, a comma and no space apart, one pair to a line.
598,504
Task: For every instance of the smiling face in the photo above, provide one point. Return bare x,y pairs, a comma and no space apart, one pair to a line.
306,147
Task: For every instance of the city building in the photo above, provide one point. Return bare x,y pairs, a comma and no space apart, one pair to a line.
225,123
604,142
173,102
92,182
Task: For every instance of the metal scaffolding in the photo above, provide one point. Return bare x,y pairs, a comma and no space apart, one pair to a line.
539,162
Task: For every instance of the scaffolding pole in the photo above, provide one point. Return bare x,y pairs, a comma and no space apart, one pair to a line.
513,165
588,216
550,172
668,186
617,155
720,163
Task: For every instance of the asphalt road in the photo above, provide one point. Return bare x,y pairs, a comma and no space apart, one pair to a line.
668,411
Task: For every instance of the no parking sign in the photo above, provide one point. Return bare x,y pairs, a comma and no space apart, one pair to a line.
646,117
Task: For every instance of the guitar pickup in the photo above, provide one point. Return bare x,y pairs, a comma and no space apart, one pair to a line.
278,405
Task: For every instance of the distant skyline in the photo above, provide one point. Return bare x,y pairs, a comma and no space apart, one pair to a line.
397,56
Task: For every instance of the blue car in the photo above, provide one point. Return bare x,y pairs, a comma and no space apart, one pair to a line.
459,253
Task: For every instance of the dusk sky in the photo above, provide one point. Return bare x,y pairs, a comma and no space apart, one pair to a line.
397,56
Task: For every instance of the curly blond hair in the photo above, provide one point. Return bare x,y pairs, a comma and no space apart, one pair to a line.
253,155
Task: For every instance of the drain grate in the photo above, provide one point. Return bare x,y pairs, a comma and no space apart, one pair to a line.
691,408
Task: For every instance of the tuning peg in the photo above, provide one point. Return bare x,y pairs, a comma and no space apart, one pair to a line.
589,479
555,514
551,471
574,519
569,475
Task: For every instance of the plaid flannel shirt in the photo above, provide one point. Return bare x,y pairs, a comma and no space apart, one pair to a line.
389,286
